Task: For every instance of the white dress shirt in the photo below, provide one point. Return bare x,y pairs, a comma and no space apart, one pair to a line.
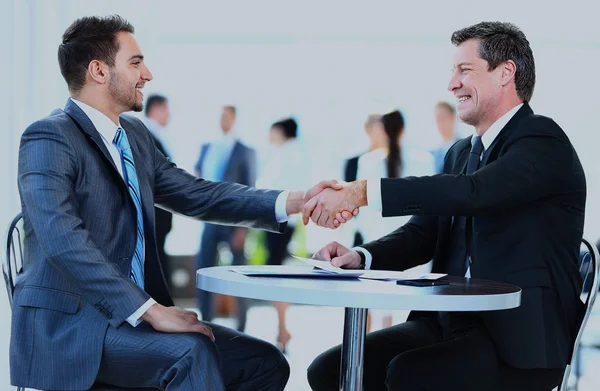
286,168
108,129
159,132
374,185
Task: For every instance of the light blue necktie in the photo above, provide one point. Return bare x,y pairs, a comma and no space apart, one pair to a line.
130,175
218,162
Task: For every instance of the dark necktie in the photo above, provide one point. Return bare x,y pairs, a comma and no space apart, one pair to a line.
461,229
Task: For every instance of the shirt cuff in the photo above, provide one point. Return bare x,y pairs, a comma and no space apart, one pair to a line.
368,256
280,207
374,194
134,319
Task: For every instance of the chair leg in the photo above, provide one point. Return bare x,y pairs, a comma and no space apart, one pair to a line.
578,369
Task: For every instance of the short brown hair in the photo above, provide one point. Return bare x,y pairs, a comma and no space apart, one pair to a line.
445,105
231,108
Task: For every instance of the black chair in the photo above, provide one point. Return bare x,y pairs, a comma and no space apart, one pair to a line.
12,267
589,271
12,264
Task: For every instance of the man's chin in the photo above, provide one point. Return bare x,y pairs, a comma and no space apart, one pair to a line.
137,107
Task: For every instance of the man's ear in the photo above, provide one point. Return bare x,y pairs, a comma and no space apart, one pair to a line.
509,71
98,71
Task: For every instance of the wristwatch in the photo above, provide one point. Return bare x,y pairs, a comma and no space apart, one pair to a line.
363,259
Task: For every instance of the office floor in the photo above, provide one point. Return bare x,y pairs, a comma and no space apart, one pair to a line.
315,329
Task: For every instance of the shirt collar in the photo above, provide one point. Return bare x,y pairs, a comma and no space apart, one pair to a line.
490,135
228,138
101,122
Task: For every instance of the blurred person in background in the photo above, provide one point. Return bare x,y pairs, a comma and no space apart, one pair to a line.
285,168
224,160
387,158
377,139
445,120
157,115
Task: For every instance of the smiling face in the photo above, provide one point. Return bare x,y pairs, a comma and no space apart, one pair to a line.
128,75
477,90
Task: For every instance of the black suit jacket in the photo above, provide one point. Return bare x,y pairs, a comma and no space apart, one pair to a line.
527,202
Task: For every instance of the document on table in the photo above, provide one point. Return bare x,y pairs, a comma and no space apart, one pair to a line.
387,275
293,271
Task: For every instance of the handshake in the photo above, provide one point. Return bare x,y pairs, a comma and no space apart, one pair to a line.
329,203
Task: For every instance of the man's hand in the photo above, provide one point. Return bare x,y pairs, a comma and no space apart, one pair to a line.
297,199
339,256
327,207
175,320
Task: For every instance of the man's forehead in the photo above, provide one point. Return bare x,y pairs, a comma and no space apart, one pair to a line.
467,53
128,44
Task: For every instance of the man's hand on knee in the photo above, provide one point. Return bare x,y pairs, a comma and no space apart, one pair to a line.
175,320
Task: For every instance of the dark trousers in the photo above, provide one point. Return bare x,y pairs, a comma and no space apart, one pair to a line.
163,221
418,356
277,245
142,357
207,257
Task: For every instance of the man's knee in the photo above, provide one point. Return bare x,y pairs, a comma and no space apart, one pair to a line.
405,372
324,372
202,351
263,363
274,364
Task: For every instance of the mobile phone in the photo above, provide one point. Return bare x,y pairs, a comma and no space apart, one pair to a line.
423,282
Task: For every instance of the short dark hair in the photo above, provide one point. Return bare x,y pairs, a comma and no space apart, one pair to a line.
231,108
87,39
289,126
154,100
447,106
500,42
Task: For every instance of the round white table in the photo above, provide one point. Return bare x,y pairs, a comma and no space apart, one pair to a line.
356,295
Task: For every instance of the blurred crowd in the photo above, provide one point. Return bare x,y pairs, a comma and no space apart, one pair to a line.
286,165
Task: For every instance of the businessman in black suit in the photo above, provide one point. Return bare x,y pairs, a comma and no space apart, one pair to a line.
509,207
158,113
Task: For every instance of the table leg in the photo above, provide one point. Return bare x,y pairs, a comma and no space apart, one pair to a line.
355,328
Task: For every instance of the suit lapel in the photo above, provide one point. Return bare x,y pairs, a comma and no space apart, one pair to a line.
506,131
85,125
233,156
461,162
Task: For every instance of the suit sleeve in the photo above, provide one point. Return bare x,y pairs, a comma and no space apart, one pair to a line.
411,245
48,172
535,165
214,202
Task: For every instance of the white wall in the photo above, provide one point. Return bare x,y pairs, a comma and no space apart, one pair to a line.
329,64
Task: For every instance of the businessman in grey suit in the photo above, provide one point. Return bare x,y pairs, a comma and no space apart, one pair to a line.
92,308
225,159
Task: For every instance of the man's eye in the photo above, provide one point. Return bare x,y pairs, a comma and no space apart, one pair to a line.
136,63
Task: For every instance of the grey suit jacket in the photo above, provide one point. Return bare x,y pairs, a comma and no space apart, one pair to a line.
80,233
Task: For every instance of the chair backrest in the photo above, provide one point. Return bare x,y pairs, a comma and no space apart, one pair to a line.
12,265
588,267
